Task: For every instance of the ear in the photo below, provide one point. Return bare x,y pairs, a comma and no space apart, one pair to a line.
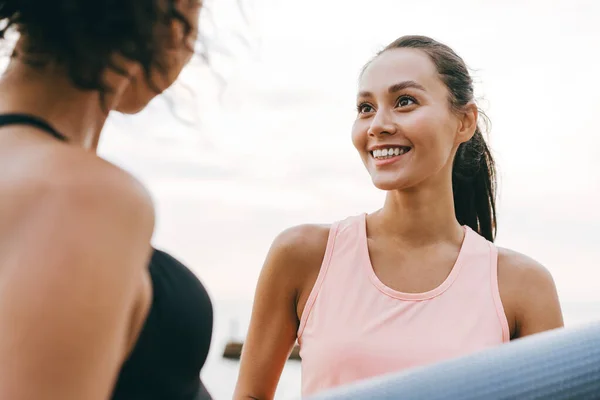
467,123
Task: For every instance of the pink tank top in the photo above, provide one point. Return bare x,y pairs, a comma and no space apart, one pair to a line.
354,327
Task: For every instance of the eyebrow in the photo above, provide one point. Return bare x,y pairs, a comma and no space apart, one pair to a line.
397,88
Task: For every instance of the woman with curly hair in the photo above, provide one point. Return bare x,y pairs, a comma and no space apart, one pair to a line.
88,309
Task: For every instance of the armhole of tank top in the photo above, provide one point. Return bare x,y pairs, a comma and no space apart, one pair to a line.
312,297
496,293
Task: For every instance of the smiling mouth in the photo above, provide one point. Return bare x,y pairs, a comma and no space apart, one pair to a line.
389,152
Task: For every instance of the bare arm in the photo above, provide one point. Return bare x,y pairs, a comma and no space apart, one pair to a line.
70,280
530,295
288,274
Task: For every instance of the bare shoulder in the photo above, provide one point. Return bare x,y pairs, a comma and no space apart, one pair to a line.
528,293
522,271
97,175
68,202
299,250
295,259
121,192
302,242
80,182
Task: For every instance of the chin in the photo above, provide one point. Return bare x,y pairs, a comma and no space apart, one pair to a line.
390,182
136,99
131,108
129,111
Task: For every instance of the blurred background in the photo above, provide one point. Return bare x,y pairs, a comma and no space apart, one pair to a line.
258,139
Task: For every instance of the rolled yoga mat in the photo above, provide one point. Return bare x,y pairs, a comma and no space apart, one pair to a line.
556,365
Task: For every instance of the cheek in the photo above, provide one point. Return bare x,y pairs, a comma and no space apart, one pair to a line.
359,136
431,134
360,139
136,96
194,19
183,52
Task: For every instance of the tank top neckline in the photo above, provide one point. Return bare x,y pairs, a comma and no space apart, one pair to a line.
445,285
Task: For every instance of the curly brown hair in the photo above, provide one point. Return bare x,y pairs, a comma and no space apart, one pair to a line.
83,35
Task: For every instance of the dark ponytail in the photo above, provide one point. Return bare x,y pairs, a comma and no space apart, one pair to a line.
473,172
474,186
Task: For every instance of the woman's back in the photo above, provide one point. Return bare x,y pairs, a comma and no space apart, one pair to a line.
86,302
171,315
56,271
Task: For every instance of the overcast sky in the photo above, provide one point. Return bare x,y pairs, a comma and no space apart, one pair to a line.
272,148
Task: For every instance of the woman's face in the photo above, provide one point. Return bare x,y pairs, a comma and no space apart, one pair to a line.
405,130
177,51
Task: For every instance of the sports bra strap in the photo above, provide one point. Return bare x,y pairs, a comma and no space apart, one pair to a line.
26,119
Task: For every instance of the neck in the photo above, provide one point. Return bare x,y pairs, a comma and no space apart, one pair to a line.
48,94
421,215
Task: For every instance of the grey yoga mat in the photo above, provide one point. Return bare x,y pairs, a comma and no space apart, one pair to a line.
556,365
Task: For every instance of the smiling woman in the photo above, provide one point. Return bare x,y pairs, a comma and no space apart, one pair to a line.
417,281
473,170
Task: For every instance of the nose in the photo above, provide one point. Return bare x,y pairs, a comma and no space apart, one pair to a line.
382,124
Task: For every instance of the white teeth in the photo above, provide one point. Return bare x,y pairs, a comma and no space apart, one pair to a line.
389,152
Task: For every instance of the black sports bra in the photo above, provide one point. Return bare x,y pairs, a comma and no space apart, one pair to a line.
173,344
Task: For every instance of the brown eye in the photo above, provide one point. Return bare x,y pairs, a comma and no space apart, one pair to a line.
364,108
406,101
